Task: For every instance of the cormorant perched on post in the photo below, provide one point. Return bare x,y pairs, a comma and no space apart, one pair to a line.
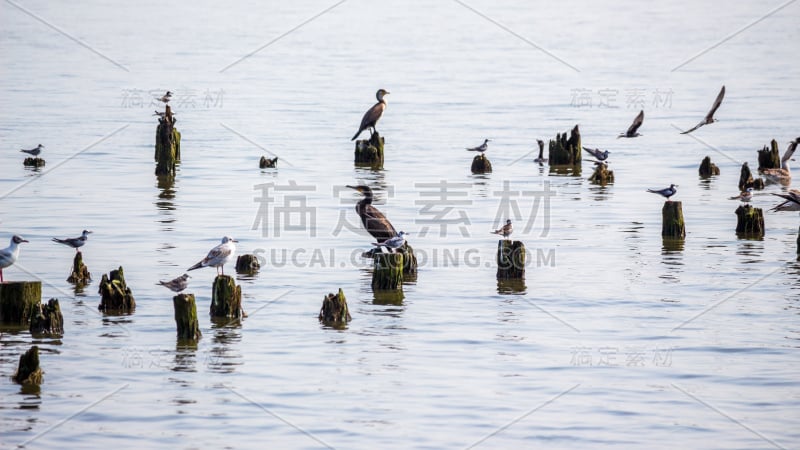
373,220
373,114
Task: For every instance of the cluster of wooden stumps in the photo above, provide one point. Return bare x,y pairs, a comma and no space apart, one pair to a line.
369,152
33,161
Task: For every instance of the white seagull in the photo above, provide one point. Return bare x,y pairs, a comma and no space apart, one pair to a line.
74,242
392,244
9,255
709,118
219,255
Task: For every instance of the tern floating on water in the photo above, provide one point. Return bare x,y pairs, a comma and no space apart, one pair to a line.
394,243
637,122
372,115
166,97
178,284
709,119
74,242
9,255
505,230
481,148
745,196
218,256
541,159
791,201
601,156
34,151
784,173
666,192
373,220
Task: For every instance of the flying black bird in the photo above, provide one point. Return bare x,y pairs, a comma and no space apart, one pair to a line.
637,122
709,119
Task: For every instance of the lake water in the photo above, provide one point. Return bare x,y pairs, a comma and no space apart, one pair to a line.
616,339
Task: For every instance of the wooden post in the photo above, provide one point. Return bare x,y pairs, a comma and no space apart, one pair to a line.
370,151
35,162
28,371
565,151
47,319
769,158
387,271
798,243
749,221
115,295
707,168
186,317
247,264
80,273
226,297
602,175
481,164
409,259
510,259
18,299
746,179
334,309
672,220
168,144
266,163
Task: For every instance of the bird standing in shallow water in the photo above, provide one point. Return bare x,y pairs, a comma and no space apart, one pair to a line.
505,230
541,159
9,255
373,220
666,192
178,284
709,118
74,242
637,122
745,196
218,256
34,151
372,115
481,148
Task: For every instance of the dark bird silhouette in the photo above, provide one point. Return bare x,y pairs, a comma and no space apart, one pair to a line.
709,119
505,230
601,156
372,115
34,151
373,220
791,201
541,159
74,242
637,122
666,192
481,148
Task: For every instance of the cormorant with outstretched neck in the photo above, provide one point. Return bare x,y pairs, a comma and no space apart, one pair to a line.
373,220
373,114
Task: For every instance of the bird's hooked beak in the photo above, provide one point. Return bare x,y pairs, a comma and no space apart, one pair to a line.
354,187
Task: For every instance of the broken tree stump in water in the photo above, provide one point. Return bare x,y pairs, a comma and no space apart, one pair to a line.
80,273
334,309
186,317
602,175
769,158
47,319
33,162
707,168
387,271
168,144
746,179
247,264
18,299
266,163
510,259
226,298
370,151
28,371
565,151
749,221
481,164
672,224
115,295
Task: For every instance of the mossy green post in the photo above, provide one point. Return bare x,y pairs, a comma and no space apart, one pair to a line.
247,264
226,297
186,317
28,371
707,168
18,300
47,319
746,179
115,295
510,260
370,151
334,309
266,163
602,175
769,158
565,151
33,162
481,164
168,144
387,271
672,220
749,221
409,259
80,273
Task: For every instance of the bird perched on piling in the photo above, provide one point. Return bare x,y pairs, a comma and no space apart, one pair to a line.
481,148
9,255
745,196
791,201
541,159
74,242
637,122
178,284
392,244
218,256
166,97
709,118
34,151
784,173
601,156
666,192
373,220
372,115
505,230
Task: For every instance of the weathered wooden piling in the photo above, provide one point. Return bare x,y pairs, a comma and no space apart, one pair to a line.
186,317
247,264
749,221
226,298
47,319
602,175
266,163
387,271
672,220
28,371
18,299
510,260
798,243
707,168
33,162
370,151
168,144
769,158
746,179
409,259
334,309
115,295
565,151
80,273
481,164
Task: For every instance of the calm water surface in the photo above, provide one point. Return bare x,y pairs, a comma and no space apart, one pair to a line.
616,338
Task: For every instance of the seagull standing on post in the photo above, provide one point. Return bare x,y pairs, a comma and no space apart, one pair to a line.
74,242
666,192
505,230
372,115
481,148
34,151
218,256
